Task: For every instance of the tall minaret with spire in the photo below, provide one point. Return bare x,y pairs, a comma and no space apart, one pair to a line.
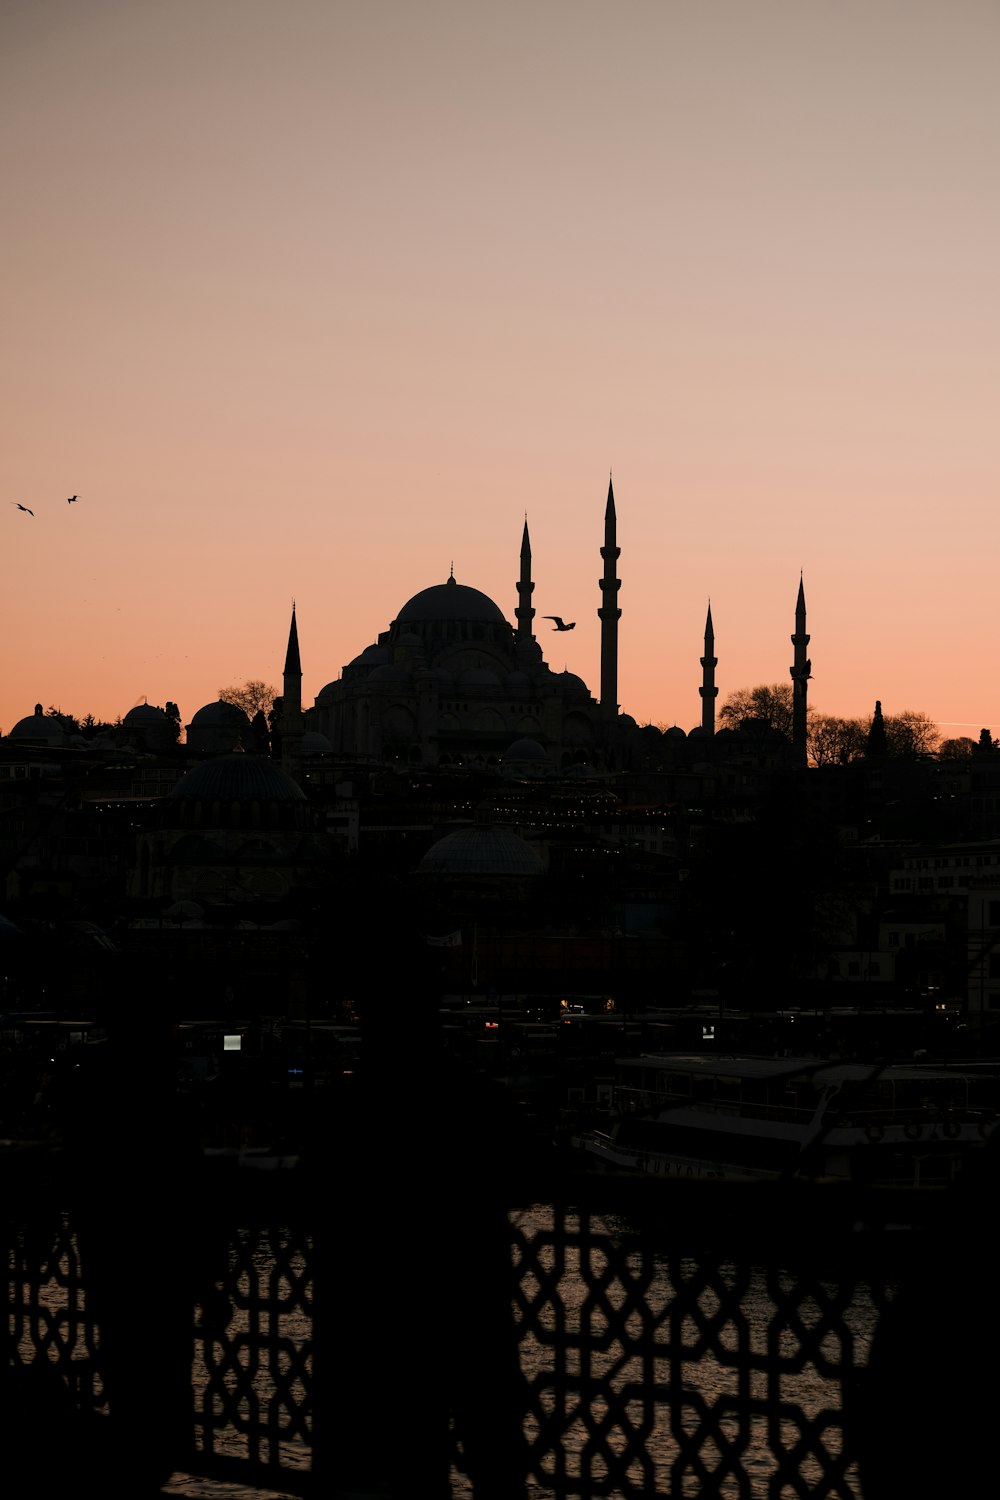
708,690
609,614
291,706
801,671
525,588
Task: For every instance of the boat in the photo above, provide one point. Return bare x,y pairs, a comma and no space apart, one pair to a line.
739,1118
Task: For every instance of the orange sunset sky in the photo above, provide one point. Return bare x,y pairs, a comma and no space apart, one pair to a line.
311,300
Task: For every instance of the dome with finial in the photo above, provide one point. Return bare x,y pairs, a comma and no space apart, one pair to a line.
449,601
38,729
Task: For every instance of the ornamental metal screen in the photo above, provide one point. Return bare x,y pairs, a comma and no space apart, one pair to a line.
711,1343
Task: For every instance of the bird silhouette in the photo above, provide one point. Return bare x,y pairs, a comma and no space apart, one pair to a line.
22,507
70,499
560,624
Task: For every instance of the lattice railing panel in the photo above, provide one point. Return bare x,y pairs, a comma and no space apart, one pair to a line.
47,1315
651,1364
654,1372
252,1371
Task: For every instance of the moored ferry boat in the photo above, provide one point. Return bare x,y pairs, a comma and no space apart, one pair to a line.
909,1124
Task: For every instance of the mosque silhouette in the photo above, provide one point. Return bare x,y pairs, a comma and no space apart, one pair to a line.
451,683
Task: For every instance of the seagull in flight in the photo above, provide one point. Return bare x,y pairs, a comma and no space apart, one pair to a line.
71,499
22,507
560,623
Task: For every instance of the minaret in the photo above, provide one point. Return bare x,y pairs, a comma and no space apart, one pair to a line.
801,671
524,612
291,707
609,614
708,690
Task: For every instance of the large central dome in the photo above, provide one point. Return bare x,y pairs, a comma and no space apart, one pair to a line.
449,601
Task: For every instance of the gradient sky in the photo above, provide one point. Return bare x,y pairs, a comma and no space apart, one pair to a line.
309,300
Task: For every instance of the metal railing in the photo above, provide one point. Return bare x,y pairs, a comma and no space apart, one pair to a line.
603,1337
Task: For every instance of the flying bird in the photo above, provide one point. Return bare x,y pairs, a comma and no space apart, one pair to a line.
22,507
70,499
560,623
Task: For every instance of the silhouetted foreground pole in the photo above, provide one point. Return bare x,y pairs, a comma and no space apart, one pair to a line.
413,1324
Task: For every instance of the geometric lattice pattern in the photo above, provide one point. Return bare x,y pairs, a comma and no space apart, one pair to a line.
650,1365
252,1366
650,1373
46,1308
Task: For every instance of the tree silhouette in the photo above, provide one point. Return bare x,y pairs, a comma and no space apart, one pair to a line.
911,733
252,696
834,741
957,749
173,713
768,703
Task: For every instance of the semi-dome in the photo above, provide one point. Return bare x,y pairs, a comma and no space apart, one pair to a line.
450,601
237,778
391,674
570,683
481,850
478,677
371,656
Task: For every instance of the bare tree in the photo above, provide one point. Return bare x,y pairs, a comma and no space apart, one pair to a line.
769,703
836,742
252,696
910,733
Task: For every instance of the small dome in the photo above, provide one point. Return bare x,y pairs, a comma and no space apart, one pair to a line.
39,729
143,716
481,850
699,732
314,743
675,732
450,601
568,683
526,750
238,778
218,715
